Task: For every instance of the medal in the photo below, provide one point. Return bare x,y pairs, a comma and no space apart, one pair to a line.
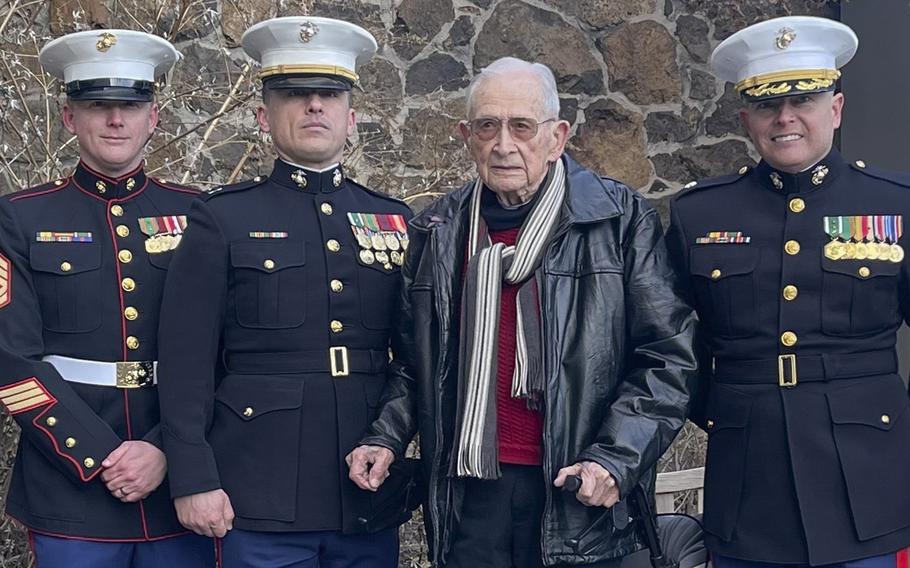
382,257
362,239
397,258
865,233
391,241
387,227
367,257
849,251
152,245
897,253
378,241
834,250
872,251
167,243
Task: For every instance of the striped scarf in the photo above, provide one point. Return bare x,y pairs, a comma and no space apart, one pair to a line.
488,266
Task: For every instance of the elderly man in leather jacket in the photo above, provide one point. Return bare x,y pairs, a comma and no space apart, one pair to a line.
539,336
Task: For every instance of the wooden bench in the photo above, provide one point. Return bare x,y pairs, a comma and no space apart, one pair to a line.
673,482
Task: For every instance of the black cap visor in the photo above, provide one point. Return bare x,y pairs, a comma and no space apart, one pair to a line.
111,90
308,81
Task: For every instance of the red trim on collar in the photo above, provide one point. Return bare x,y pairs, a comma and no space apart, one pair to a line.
112,201
114,181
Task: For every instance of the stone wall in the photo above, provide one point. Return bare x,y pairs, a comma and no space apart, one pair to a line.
633,78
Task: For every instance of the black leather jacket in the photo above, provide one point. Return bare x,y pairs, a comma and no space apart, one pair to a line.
617,364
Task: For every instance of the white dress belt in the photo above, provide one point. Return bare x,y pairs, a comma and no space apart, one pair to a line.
120,374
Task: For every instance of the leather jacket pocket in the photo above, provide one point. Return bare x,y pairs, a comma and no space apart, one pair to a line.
256,439
725,468
872,434
269,284
67,277
859,297
723,277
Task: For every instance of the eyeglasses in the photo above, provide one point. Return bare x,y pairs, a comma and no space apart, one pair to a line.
520,128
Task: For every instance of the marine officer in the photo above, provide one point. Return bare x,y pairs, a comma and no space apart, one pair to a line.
82,266
289,281
797,270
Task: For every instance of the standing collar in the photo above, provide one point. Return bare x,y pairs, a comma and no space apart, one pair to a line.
307,180
104,187
821,175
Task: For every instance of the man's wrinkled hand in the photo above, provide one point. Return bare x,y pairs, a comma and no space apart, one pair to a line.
369,466
598,488
133,470
208,514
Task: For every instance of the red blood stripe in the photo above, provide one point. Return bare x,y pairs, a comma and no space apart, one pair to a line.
902,559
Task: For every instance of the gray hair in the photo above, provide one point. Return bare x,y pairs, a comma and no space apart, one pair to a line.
506,65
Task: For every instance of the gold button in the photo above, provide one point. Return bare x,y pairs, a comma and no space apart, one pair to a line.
337,286
792,247
257,178
123,231
864,271
59,182
710,424
51,421
132,342
65,266
715,274
117,211
248,411
860,164
125,256
269,264
131,313
70,442
128,284
788,338
336,326
326,208
790,292
797,205
743,170
886,419
89,463
333,245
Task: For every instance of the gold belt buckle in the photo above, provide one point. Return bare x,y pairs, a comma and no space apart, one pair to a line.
134,374
785,362
336,355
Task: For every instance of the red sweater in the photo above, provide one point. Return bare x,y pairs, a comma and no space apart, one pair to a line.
520,430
